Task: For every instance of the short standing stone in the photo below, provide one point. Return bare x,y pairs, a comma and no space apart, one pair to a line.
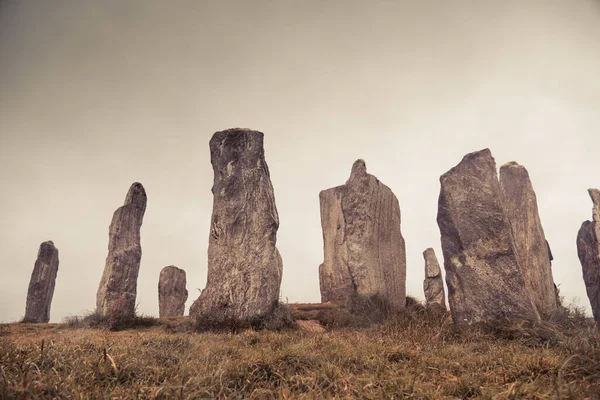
172,292
118,287
433,285
588,249
482,272
530,242
364,251
41,285
244,265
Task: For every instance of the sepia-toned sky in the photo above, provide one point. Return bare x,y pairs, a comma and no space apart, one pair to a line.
97,95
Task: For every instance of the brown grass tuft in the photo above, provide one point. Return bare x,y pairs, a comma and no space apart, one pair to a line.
418,353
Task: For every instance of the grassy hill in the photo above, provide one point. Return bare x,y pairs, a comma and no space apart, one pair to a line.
418,354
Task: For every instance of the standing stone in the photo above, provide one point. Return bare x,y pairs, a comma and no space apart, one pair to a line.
530,242
172,293
482,271
364,251
588,249
118,287
433,285
41,285
244,266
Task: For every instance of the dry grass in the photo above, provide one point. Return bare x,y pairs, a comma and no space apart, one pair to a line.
418,354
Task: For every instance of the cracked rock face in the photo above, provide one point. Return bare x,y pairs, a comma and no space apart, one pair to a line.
433,285
118,287
531,247
364,251
482,271
244,265
172,292
41,285
588,250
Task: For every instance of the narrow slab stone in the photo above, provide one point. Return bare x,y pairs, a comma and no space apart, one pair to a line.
334,276
528,235
482,272
41,285
433,285
172,292
244,265
118,287
364,251
588,250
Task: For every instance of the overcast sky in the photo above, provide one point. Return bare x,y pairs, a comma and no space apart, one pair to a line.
97,95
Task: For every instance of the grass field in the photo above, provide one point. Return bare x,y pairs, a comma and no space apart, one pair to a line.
417,354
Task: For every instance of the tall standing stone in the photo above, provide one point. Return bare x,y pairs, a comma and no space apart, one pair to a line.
433,285
244,265
482,271
41,285
530,242
588,249
172,292
118,287
364,251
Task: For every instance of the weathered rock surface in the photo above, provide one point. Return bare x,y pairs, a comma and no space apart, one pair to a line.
364,251
520,205
588,249
433,285
482,271
41,285
244,265
118,287
172,292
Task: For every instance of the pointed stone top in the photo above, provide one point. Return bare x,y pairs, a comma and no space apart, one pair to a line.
48,243
477,154
595,195
359,168
136,195
432,267
481,156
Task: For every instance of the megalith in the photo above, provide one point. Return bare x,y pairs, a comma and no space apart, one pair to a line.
364,251
482,271
244,265
118,287
433,285
41,285
172,292
588,250
528,235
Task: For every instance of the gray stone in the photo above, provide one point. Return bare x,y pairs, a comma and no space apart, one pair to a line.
482,272
588,250
520,204
172,292
118,287
433,285
364,251
244,265
41,285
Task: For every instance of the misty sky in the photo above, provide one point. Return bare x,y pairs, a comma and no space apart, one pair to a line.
97,95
